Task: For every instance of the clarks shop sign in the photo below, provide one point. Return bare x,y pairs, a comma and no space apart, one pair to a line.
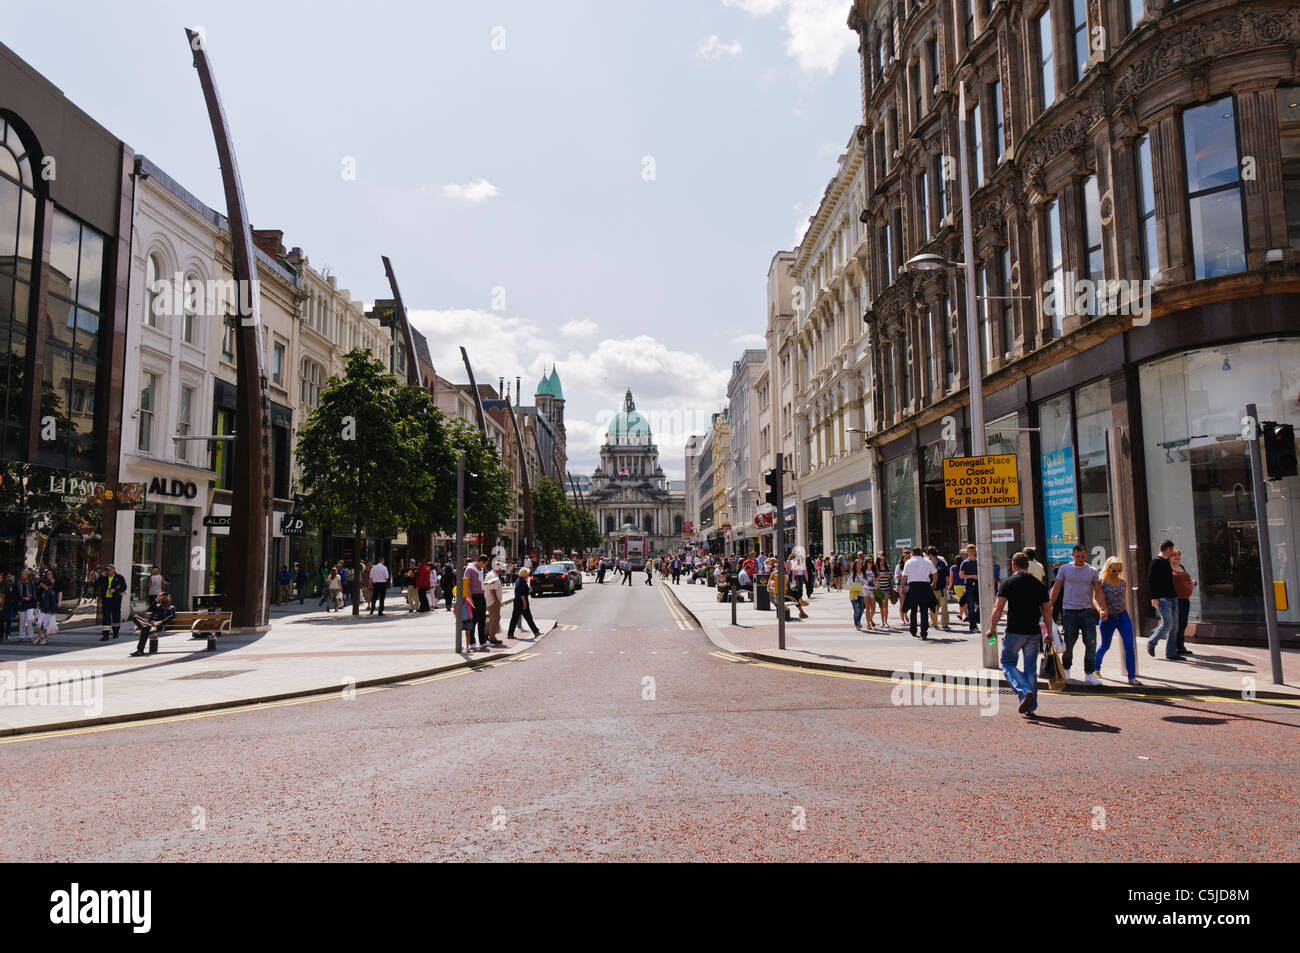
177,488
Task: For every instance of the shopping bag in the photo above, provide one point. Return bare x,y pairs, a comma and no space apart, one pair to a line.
1053,669
855,591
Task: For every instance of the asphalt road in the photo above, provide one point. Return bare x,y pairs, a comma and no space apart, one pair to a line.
564,755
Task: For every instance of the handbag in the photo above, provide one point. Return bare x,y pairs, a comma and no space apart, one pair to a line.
893,596
855,591
1053,669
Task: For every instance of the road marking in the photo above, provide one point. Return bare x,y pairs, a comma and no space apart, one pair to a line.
683,620
565,626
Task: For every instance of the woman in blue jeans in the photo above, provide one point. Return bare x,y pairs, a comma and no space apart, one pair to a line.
1113,588
858,593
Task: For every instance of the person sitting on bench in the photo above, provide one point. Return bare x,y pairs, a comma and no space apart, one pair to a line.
162,613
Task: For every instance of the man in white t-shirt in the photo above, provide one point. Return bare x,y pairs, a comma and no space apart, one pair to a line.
379,584
917,578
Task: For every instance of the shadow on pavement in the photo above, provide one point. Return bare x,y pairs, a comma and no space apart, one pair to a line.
1075,723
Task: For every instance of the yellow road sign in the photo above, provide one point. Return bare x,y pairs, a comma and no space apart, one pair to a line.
981,481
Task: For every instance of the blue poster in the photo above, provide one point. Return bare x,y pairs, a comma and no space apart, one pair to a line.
1058,504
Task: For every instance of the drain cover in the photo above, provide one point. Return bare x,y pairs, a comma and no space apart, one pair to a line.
214,673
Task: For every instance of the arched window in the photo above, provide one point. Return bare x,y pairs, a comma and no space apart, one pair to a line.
155,300
677,525
193,301
650,525
313,377
609,525
17,228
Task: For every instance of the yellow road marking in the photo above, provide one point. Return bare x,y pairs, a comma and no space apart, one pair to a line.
680,616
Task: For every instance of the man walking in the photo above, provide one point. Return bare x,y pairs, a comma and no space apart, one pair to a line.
473,582
650,571
522,609
302,582
942,580
379,583
1025,601
1080,584
918,577
1164,599
1035,567
108,590
625,566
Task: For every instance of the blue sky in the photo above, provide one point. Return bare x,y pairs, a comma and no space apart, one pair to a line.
522,169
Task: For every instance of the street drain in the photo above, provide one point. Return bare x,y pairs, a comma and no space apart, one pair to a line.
214,673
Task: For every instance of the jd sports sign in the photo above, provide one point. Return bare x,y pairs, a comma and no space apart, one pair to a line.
179,488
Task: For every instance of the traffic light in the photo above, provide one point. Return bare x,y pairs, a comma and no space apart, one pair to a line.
773,480
1279,450
472,482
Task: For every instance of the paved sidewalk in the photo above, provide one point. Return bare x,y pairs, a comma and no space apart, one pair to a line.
827,639
77,680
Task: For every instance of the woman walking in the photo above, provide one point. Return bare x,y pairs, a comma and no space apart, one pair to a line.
884,588
1113,588
868,573
857,593
1184,585
333,591
366,584
156,583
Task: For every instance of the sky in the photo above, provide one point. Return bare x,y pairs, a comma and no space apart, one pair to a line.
598,186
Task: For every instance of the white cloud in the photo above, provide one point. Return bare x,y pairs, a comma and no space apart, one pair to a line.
750,340
818,32
677,391
578,329
476,191
713,48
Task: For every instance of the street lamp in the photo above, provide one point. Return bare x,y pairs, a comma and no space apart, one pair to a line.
975,376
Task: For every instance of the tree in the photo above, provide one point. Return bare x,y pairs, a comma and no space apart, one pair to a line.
583,531
432,485
490,488
550,513
357,453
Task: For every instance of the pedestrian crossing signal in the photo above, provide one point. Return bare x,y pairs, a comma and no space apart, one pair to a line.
773,480
1279,450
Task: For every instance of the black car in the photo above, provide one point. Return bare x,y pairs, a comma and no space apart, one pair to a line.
552,578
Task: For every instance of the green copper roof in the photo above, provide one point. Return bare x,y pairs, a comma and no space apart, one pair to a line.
549,385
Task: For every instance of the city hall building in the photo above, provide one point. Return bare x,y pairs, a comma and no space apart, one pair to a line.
1148,149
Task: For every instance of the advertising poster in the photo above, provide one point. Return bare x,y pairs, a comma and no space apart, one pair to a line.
1059,511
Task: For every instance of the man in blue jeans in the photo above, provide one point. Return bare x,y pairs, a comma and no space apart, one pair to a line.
1081,586
1160,583
1025,601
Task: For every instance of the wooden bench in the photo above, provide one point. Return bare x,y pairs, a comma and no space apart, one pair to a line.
202,625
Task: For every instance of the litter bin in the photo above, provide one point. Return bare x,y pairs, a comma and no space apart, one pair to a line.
762,601
712,580
209,602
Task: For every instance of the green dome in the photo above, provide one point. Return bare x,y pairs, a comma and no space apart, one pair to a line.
629,423
549,385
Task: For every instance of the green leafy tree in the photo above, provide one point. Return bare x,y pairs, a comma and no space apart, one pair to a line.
550,514
432,484
357,453
589,536
491,504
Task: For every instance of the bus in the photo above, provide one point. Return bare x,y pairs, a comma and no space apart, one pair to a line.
632,547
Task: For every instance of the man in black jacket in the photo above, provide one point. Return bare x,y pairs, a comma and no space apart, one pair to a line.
1160,582
108,590
159,616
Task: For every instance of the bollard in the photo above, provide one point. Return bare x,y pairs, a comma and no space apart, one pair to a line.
733,605
153,645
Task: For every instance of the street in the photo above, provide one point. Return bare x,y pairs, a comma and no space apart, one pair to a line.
626,735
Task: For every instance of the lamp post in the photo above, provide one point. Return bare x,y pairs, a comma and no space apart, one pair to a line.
974,373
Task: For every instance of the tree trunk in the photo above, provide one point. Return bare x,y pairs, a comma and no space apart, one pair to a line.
356,571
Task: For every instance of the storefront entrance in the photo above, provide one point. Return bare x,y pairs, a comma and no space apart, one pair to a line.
163,539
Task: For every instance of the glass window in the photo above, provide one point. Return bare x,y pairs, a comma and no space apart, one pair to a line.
999,133
228,340
968,20
1136,9
223,451
922,203
144,440
932,60
1092,246
900,510
183,413
1146,207
918,97
1288,112
941,198
982,304
1056,290
1046,58
976,152
1008,306
1213,189
1198,472
193,301
927,356
277,364
1081,51
949,357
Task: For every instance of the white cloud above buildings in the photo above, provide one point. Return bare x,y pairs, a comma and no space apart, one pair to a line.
676,390
579,328
712,48
817,36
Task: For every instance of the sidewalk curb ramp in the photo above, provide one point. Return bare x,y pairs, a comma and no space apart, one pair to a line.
268,699
718,638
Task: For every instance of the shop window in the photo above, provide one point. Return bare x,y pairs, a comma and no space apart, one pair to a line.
1199,484
1288,111
1213,189
899,530
1075,473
